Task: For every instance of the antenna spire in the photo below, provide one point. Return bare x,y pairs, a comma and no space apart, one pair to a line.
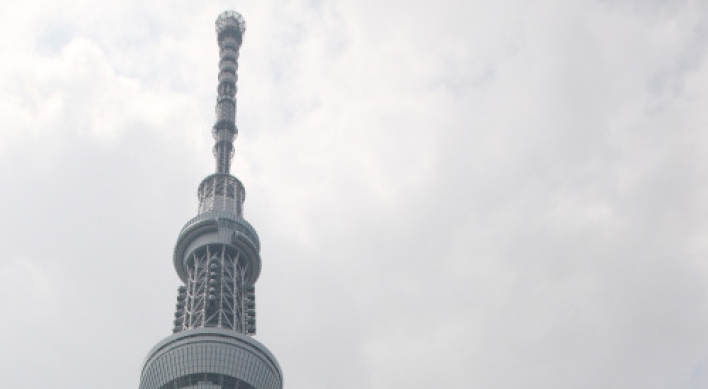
221,191
230,28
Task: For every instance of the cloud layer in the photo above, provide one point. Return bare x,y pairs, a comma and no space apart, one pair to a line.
459,194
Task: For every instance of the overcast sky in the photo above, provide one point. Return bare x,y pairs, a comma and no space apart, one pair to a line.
461,194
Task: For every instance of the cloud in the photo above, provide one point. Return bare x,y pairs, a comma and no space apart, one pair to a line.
458,194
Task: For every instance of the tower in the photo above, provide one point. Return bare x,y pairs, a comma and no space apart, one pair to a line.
217,258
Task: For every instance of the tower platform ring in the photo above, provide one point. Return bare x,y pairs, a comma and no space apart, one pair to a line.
218,228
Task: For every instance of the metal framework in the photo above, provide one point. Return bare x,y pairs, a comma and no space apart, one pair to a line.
221,192
216,284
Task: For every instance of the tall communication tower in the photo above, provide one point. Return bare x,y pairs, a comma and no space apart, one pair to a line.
217,258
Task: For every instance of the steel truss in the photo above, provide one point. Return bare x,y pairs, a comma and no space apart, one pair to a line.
216,294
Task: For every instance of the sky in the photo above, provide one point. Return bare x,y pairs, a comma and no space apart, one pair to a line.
453,194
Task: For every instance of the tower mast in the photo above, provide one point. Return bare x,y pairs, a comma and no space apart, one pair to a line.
217,258
230,28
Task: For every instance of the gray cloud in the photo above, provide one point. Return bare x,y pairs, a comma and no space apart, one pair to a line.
461,194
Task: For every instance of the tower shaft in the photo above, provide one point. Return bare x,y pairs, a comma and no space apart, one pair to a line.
217,257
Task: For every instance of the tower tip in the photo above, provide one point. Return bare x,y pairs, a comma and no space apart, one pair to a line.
230,20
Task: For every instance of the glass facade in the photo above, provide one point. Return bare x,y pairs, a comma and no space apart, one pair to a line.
206,380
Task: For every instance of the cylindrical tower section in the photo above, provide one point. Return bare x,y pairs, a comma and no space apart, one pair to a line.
210,358
223,193
230,28
217,293
217,257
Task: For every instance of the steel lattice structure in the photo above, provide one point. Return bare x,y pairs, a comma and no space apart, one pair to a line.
217,258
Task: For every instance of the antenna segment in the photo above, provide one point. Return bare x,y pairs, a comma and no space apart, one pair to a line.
230,27
222,191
